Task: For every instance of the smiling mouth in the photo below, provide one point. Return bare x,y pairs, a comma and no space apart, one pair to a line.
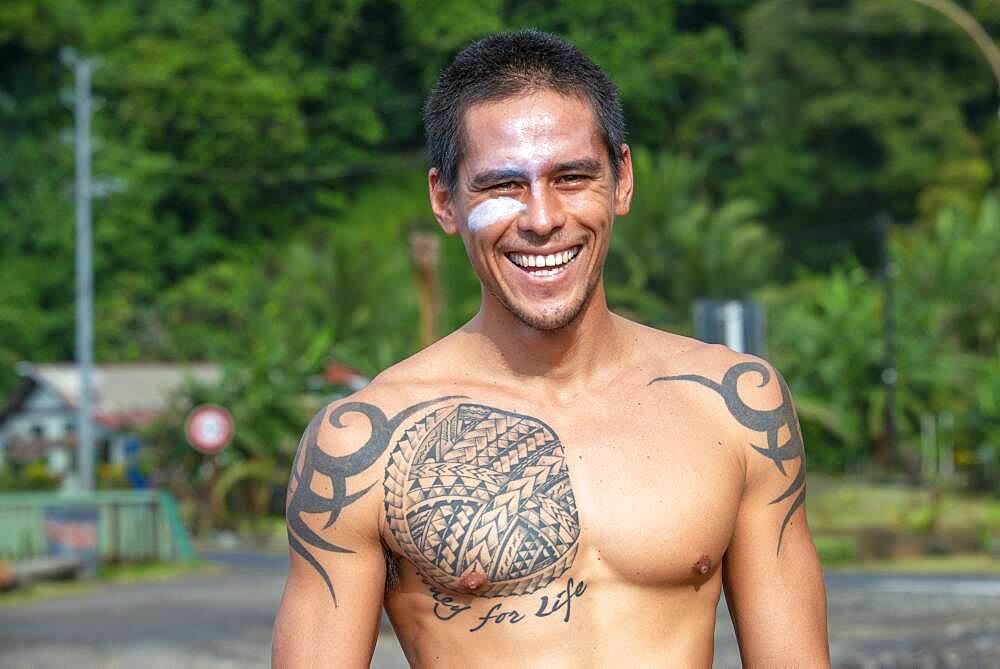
544,265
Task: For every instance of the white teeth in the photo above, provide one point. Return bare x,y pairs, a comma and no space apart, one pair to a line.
553,260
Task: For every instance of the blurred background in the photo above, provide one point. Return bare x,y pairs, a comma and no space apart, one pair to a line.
254,175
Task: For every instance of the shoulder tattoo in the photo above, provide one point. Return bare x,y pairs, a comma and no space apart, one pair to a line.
312,460
769,422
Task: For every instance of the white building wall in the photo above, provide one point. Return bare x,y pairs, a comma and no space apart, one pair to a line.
46,415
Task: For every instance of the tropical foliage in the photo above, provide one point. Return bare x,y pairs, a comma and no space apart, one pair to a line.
268,158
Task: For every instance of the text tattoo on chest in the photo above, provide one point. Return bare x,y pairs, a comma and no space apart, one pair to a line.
447,608
770,422
477,498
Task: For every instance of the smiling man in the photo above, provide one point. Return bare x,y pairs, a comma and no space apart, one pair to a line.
551,485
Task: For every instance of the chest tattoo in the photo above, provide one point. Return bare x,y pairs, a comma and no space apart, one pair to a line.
471,489
478,498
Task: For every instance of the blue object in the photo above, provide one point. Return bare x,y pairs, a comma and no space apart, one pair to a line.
133,475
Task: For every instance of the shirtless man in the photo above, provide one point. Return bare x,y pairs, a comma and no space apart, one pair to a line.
551,485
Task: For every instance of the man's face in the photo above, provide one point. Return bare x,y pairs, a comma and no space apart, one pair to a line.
534,201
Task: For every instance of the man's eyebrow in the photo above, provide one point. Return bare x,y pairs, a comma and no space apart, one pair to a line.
490,177
585,165
495,176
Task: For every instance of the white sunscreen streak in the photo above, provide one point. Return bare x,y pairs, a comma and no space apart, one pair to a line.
529,156
493,211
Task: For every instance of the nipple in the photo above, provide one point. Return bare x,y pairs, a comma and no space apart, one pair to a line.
702,566
473,580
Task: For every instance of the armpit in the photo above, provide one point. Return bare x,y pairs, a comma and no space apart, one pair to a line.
391,569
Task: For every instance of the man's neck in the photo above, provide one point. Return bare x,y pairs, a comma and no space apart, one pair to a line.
560,363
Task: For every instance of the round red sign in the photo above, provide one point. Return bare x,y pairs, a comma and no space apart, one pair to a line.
209,428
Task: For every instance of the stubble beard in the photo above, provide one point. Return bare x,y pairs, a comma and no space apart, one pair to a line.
552,321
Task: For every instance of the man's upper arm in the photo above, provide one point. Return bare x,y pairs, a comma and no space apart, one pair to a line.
774,585
330,611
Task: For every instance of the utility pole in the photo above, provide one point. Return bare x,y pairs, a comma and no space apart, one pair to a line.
84,267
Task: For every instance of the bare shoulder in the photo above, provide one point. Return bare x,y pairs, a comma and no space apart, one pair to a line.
743,392
748,394
674,358
355,429
427,373
666,353
347,438
334,495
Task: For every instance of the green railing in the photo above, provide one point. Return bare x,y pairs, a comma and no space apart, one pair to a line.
132,525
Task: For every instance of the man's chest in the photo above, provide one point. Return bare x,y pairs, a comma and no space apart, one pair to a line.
655,491
488,500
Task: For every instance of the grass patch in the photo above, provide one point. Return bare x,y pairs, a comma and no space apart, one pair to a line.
838,505
120,574
263,528
153,571
46,590
903,526
834,550
962,564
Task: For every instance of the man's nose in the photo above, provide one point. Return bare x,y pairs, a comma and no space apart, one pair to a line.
544,213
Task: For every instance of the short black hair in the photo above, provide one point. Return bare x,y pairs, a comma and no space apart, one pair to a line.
510,64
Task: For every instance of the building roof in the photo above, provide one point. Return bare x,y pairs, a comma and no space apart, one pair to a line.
130,394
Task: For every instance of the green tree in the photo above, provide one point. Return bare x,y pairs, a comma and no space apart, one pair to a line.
677,244
826,336
841,123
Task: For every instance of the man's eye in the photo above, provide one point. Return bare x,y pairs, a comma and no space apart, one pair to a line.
507,186
571,178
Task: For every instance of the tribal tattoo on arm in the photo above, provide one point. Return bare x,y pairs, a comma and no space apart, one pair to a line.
770,422
314,460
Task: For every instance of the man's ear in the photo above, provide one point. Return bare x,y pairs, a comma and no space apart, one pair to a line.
441,204
623,190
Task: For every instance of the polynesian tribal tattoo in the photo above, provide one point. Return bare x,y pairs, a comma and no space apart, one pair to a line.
473,489
769,422
469,489
313,460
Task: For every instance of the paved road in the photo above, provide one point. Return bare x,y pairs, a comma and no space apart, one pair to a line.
224,620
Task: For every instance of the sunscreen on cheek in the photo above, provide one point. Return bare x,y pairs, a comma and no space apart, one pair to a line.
493,211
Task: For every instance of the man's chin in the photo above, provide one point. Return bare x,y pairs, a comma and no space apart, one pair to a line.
551,319
547,321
